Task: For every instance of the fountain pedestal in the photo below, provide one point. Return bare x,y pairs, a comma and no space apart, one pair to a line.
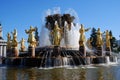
31,51
82,50
15,52
108,51
56,51
9,51
99,51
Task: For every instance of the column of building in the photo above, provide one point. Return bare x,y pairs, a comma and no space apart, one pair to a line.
4,51
1,51
2,44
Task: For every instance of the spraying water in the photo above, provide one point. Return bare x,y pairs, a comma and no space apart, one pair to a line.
71,37
44,37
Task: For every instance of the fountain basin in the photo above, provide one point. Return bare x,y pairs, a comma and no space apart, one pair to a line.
56,56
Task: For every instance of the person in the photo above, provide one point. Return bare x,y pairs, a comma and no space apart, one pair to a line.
14,40
107,39
56,33
22,45
31,38
99,41
82,35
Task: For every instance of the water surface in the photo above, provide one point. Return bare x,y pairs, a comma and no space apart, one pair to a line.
98,72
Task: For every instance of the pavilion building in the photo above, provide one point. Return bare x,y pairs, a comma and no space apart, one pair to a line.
3,44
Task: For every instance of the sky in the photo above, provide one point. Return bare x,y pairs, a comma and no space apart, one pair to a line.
20,14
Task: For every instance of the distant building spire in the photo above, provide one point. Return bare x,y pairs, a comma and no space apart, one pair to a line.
0,30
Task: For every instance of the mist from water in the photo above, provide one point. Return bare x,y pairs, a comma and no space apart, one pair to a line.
44,37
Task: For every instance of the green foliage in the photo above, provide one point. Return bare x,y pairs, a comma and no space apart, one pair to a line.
37,36
113,42
93,37
118,49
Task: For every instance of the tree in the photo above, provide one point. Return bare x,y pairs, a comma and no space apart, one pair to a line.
93,37
118,49
113,42
37,36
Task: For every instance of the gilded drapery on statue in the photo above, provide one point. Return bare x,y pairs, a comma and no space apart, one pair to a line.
22,43
31,37
82,35
14,40
56,33
99,41
107,39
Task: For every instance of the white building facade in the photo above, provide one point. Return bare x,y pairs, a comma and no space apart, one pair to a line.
3,44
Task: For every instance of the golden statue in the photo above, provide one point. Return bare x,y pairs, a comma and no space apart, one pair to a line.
31,38
14,40
8,41
56,33
22,45
82,35
107,39
99,41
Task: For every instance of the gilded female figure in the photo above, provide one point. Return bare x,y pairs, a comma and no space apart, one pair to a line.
82,35
31,38
22,45
99,41
56,33
107,39
14,40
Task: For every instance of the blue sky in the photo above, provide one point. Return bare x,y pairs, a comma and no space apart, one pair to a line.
20,14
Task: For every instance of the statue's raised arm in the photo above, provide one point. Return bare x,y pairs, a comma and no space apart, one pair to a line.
8,36
82,29
26,31
32,29
82,35
31,37
14,33
87,29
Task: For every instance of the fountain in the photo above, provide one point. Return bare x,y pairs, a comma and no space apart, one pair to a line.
57,46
